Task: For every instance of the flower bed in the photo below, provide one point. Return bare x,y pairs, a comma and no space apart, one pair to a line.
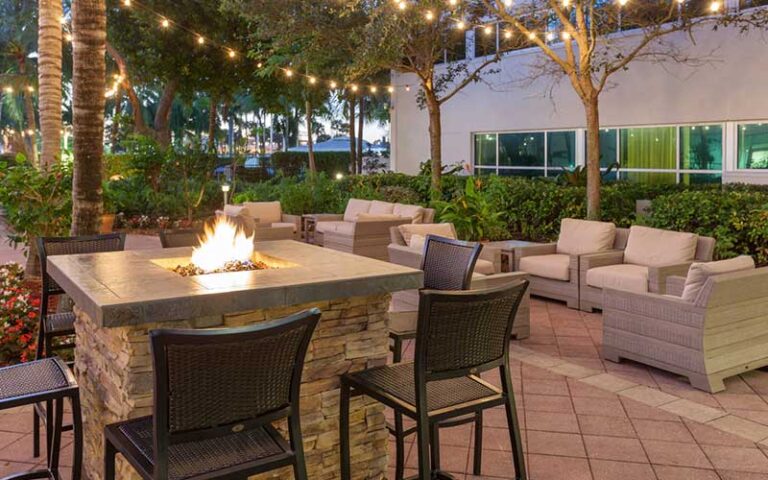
19,304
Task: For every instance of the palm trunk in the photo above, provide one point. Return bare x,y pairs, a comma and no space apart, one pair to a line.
115,130
310,145
49,80
435,145
212,120
360,126
593,158
352,143
89,24
30,132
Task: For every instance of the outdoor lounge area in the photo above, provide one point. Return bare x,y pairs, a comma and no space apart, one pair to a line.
391,240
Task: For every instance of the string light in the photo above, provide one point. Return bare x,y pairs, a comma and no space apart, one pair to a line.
488,30
288,72
566,3
312,80
453,2
30,88
127,3
715,6
30,132
68,37
508,3
623,2
333,85
8,89
373,89
232,54
407,88
507,34
259,65
461,25
200,40
402,5
353,87
532,36
550,36
63,20
165,23
390,89
429,15
565,36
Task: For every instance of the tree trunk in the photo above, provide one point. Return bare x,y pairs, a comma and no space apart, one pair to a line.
49,80
310,145
352,143
593,158
89,24
115,130
139,126
435,145
212,124
360,126
163,114
30,132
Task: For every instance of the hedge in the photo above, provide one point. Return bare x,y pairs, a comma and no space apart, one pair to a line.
293,164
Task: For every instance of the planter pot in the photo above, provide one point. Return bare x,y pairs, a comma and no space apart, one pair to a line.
107,223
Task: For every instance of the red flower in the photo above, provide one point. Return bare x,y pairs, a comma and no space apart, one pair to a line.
32,315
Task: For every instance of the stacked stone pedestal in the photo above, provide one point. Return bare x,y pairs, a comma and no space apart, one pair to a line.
114,369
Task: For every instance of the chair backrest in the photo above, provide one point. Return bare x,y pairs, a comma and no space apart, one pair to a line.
52,246
705,246
186,237
209,383
448,264
465,331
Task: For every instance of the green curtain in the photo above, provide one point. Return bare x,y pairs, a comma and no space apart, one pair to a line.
649,148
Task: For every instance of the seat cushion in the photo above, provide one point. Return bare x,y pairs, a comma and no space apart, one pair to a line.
379,207
555,266
414,212
700,272
376,217
199,457
442,229
633,278
354,207
265,212
347,228
653,247
285,224
484,267
580,237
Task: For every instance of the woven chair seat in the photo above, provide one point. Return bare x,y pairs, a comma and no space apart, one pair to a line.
397,380
60,323
31,378
196,458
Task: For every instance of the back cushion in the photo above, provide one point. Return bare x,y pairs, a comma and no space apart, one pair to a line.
355,206
579,237
652,247
373,217
266,212
442,229
379,207
235,210
700,272
414,212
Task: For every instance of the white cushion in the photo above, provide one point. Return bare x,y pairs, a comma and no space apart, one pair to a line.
354,207
265,212
417,242
442,229
380,217
285,224
323,227
414,212
652,247
235,210
378,207
555,266
700,272
633,278
484,267
580,237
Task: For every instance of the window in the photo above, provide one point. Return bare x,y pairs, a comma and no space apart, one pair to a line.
456,48
485,149
521,149
561,150
648,148
753,146
701,147
485,40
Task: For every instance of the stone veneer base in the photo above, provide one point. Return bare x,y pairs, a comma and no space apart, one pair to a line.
114,369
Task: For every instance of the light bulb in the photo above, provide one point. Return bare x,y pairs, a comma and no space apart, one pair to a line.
623,2
30,88
390,89
550,36
532,35
69,37
453,2
488,30
373,89
333,85
127,3
200,40
461,25
508,3
165,23
407,88
429,15
353,87
288,72
63,20
402,5
312,80
232,54
259,65
8,89
715,6
565,36
507,34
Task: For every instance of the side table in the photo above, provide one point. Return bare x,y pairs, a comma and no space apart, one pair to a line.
507,248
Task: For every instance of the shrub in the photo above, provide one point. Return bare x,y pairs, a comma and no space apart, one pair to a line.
18,316
472,214
292,164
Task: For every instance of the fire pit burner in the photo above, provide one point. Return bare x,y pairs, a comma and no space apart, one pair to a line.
190,269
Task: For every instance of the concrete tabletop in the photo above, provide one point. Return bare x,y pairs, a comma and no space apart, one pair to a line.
133,287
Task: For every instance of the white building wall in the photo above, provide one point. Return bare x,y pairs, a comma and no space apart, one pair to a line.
731,86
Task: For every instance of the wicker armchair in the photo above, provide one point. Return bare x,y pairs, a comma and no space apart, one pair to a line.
553,268
187,237
263,215
217,393
443,383
643,260
56,330
708,335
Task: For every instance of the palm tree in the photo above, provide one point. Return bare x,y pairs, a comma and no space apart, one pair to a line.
49,79
89,28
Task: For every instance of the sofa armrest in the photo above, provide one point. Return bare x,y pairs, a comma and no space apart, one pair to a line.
657,276
402,255
675,285
396,237
617,304
294,219
601,259
532,251
493,255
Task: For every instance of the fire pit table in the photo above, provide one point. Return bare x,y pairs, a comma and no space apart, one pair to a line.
121,296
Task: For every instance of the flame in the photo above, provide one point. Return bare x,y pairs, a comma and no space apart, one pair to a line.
224,243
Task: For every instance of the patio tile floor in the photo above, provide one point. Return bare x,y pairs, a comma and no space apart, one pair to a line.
582,418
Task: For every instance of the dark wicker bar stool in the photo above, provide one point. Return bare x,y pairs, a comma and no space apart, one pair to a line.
216,394
56,330
48,380
460,335
186,237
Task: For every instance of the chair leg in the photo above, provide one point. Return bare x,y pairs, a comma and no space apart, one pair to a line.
478,461
109,460
513,425
35,433
434,446
55,443
48,426
344,430
422,438
77,431
297,444
399,447
397,354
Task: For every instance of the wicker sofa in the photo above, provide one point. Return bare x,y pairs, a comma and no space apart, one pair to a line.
553,268
264,215
643,260
710,326
363,229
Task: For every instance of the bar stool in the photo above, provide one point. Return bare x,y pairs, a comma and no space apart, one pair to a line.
48,380
55,330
